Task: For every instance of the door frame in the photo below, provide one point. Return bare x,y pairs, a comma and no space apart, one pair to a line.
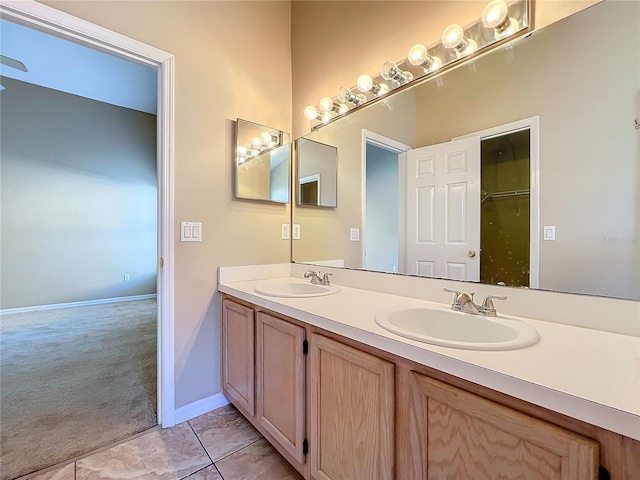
386,143
49,20
533,125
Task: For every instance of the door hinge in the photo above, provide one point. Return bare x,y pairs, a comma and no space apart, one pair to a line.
305,446
305,347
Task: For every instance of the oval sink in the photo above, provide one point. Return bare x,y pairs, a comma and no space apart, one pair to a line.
442,326
295,289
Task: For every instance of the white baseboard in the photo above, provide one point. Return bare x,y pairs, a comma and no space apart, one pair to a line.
77,304
192,410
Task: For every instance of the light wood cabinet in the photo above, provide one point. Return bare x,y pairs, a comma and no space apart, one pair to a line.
280,382
238,361
463,436
352,413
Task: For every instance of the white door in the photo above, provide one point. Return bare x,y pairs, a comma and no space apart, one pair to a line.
443,210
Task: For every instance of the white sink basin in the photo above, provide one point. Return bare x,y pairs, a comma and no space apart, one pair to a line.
439,325
295,289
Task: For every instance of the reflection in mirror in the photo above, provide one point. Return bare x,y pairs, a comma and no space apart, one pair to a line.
554,202
317,173
262,162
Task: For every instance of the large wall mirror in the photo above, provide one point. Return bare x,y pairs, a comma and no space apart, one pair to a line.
519,168
262,163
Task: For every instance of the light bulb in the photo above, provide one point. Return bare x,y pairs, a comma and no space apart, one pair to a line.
242,150
326,117
342,109
496,15
364,83
453,37
391,71
382,89
266,138
311,113
326,104
256,142
419,57
255,152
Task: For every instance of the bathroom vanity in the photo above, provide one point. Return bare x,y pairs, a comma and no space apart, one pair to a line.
340,397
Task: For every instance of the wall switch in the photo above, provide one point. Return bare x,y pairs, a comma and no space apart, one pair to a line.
190,231
285,231
549,232
354,234
296,231
127,277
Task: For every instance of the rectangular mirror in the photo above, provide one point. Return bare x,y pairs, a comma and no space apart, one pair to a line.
554,203
262,163
317,168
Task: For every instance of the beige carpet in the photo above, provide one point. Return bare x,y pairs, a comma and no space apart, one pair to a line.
73,380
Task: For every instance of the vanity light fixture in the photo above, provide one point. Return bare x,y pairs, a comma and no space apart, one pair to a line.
327,105
453,37
346,95
419,57
312,114
391,72
366,84
506,19
496,15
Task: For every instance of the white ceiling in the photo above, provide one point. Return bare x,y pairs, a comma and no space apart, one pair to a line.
69,67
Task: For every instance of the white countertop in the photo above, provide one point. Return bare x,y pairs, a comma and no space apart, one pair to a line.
590,375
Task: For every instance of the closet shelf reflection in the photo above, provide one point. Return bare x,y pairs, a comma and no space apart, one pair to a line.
507,193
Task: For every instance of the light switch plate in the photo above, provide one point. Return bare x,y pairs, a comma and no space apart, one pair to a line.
354,234
190,231
285,231
549,232
296,231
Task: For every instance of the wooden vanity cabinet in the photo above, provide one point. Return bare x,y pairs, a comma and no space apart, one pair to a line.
352,413
264,375
238,361
369,414
462,435
280,382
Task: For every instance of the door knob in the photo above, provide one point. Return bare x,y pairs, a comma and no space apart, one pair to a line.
471,253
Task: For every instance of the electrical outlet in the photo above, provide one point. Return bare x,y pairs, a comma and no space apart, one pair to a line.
285,231
296,231
354,234
127,277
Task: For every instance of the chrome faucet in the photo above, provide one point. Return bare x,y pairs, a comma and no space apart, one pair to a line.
462,302
316,279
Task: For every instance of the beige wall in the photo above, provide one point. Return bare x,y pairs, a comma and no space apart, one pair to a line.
78,198
334,42
232,60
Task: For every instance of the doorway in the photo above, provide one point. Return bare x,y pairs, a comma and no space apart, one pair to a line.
50,20
383,171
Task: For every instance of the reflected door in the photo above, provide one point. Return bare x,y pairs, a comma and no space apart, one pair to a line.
443,210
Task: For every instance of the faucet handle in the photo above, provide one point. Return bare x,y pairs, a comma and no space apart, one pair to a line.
456,298
325,279
487,305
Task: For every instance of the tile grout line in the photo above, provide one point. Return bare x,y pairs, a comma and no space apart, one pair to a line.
204,448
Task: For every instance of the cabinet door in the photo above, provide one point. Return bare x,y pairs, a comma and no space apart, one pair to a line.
238,379
463,436
280,382
352,413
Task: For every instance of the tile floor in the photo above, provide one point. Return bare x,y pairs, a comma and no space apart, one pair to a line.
220,445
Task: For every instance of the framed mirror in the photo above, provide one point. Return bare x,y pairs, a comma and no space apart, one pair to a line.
262,163
556,154
317,167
